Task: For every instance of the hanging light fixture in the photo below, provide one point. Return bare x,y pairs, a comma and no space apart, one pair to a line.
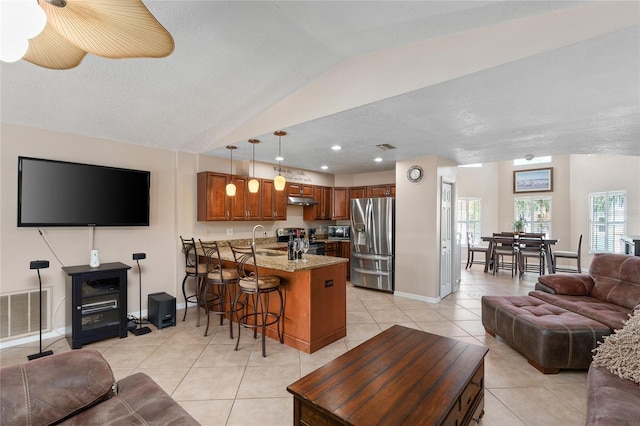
21,20
254,184
231,188
279,181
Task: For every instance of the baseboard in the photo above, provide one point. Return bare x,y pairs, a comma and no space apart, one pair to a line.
412,296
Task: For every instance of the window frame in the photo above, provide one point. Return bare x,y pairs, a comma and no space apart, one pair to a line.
530,226
460,224
611,244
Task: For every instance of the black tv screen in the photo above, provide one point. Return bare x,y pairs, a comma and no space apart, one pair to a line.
59,193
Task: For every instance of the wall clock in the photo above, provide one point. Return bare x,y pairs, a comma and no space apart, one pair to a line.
415,173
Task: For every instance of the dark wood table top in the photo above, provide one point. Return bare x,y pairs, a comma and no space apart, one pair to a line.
400,376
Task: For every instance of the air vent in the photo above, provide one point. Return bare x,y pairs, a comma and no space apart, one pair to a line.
385,146
20,313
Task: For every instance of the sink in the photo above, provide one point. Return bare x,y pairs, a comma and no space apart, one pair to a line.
269,253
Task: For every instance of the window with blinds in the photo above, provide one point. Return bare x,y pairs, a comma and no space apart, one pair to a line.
469,219
608,221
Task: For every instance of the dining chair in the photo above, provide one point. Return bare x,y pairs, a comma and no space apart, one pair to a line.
472,248
504,247
193,268
223,282
572,255
255,290
531,248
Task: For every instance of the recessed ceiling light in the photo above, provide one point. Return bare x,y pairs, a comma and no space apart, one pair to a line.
279,158
336,147
377,159
324,167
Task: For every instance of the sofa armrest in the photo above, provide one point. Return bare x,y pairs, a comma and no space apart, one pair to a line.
570,284
49,389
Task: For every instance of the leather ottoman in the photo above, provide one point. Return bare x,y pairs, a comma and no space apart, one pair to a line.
549,337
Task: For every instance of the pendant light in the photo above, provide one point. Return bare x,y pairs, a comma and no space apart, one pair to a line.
279,181
231,188
254,184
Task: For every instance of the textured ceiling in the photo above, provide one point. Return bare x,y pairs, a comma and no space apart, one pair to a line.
470,81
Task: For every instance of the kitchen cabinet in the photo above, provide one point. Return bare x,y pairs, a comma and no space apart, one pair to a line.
244,205
322,210
331,248
384,190
358,192
340,203
300,190
274,203
345,251
213,203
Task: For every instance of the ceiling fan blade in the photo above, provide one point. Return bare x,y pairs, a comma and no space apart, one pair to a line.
110,28
51,50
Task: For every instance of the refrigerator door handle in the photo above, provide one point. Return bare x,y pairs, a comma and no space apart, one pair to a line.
372,271
369,256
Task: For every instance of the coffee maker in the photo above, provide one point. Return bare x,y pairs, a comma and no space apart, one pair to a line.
312,235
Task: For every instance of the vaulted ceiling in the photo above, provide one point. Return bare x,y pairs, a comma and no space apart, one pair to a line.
472,81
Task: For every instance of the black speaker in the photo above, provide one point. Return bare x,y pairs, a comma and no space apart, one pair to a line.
161,310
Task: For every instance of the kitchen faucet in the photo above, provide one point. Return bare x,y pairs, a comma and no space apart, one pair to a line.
253,241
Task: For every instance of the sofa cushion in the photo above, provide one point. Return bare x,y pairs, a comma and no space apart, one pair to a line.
140,401
573,284
611,401
49,389
609,314
616,279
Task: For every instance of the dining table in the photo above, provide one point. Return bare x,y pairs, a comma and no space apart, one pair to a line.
547,242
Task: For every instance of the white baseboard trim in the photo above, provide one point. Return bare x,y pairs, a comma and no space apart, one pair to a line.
33,338
412,296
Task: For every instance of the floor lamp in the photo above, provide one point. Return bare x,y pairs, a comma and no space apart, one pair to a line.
140,330
37,265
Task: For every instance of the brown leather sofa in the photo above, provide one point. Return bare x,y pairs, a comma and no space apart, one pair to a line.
560,323
78,388
611,400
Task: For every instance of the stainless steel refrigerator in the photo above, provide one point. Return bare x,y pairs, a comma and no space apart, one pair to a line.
372,243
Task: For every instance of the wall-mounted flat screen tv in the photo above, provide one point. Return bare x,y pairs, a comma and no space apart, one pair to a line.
60,193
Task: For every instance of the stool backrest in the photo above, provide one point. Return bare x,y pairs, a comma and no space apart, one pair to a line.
245,258
212,255
189,250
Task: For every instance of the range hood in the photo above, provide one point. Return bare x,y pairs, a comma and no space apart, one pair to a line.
301,201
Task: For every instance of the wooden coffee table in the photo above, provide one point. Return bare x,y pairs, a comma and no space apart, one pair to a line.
400,376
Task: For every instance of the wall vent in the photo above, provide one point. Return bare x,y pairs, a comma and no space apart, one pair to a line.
20,314
385,146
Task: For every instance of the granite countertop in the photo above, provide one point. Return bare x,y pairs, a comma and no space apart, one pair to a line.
275,259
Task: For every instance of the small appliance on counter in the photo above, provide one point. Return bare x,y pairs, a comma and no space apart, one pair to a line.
339,232
315,247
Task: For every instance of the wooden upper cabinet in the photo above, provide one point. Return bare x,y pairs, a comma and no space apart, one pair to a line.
274,203
213,203
322,210
358,192
340,203
245,205
300,190
384,190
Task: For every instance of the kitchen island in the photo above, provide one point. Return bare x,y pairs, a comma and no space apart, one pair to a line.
314,292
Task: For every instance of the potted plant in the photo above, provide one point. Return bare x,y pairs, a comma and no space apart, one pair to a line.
519,224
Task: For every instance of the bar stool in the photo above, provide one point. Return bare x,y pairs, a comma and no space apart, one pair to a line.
225,281
193,268
255,291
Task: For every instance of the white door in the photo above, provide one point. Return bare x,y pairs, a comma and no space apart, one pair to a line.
446,239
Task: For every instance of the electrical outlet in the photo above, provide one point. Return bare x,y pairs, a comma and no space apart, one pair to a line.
206,232
229,231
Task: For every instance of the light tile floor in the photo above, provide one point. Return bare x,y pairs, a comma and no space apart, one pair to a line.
219,386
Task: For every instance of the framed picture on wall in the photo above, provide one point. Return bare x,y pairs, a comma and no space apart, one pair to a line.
534,180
